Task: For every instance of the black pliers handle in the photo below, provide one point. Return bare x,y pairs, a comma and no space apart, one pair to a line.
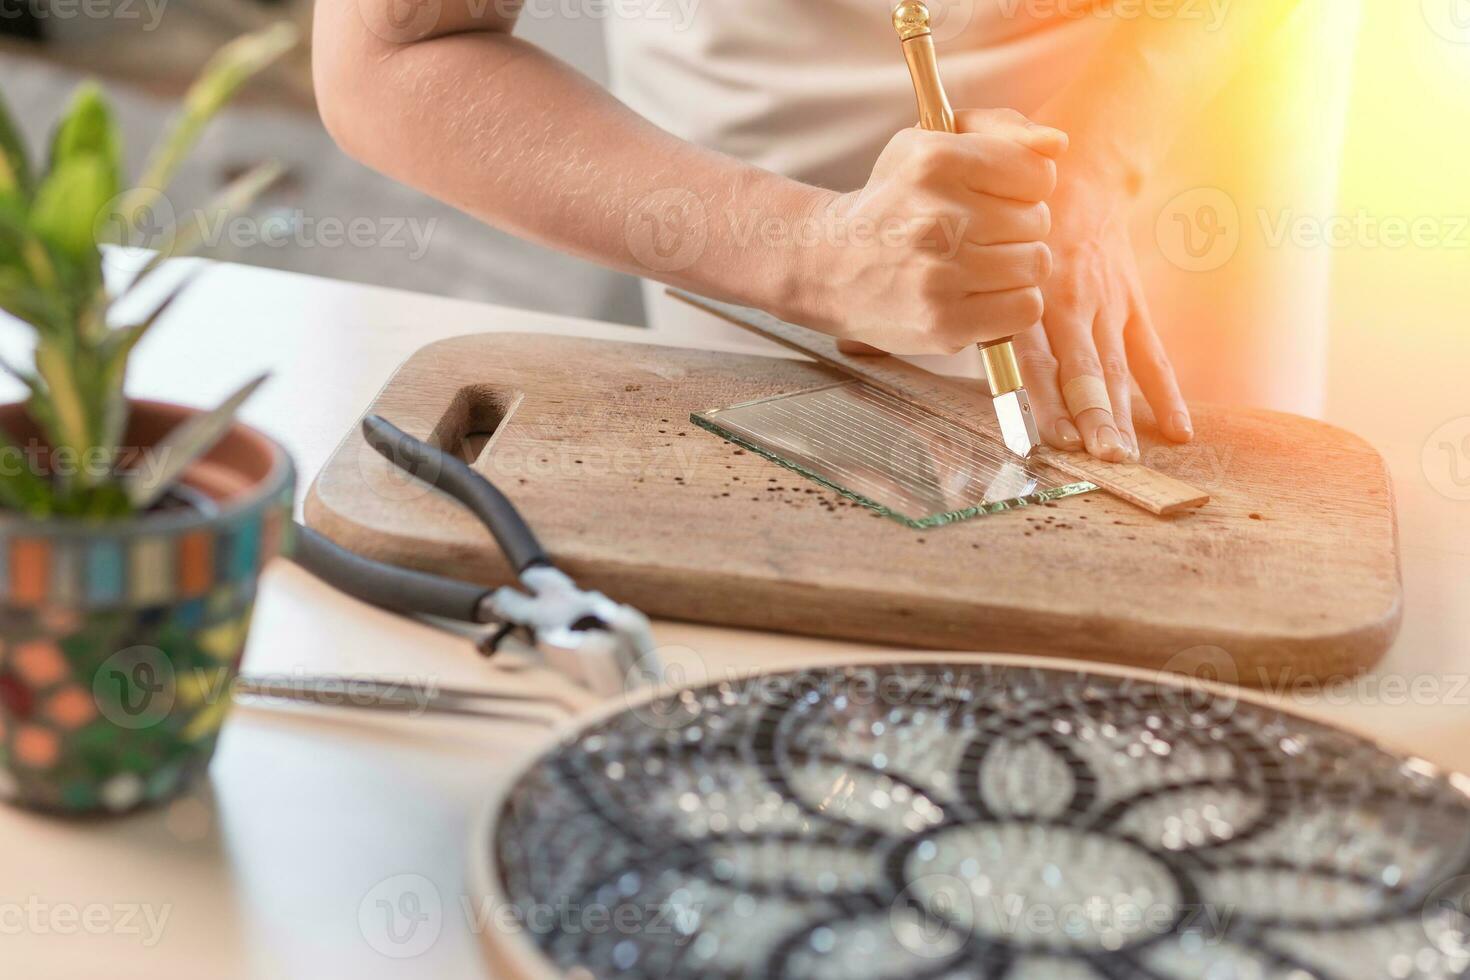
601,644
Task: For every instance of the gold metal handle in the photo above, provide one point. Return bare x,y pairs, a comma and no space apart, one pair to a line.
912,22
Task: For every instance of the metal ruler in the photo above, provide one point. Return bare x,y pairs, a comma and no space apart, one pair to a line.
966,404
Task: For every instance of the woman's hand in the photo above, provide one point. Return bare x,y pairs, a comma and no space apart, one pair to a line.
946,245
1098,337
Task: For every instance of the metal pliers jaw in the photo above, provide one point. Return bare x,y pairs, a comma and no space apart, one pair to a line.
604,646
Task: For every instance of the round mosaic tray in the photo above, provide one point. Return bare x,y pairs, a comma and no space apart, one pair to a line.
974,820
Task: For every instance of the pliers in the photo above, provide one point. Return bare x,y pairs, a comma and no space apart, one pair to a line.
597,643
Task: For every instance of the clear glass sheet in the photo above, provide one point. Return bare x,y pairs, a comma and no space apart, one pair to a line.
888,455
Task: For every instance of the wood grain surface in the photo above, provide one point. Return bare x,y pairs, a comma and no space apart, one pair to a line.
1292,571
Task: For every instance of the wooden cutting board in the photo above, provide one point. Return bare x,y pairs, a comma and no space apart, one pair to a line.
1291,571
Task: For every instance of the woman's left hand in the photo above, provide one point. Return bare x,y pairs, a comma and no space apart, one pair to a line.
1098,337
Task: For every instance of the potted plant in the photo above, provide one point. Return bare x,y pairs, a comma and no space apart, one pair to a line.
131,532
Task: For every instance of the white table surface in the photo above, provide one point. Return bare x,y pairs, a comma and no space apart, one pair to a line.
310,819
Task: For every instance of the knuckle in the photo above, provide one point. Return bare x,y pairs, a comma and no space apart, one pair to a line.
932,160
981,120
1080,364
1158,365
942,336
954,330
933,282
931,270
1037,363
1046,176
907,140
1041,215
1115,368
1066,291
1040,262
1030,305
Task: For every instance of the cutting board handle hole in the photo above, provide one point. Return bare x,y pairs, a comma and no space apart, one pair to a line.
474,421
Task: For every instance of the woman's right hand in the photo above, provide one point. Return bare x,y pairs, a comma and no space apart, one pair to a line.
946,245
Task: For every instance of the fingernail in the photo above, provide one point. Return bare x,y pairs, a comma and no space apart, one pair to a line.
1182,425
1109,443
1068,435
1043,130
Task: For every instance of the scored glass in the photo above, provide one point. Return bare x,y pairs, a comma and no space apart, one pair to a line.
888,455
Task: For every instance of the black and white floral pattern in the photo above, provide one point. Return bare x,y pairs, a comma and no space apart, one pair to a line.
929,820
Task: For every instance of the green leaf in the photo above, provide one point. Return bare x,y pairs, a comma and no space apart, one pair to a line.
113,353
15,169
27,274
118,345
65,214
89,130
236,196
184,445
108,501
22,300
56,363
21,488
232,66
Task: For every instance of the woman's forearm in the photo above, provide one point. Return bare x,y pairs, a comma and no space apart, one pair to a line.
505,132
942,249
1151,75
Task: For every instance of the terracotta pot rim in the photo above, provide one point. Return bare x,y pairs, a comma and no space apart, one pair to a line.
281,473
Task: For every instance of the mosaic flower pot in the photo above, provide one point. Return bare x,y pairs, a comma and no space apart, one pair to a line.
119,641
